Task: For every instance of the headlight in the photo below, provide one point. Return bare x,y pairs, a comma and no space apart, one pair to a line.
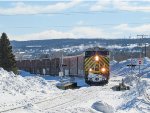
96,58
103,69
90,69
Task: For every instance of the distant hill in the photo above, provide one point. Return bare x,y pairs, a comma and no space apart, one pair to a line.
59,43
121,49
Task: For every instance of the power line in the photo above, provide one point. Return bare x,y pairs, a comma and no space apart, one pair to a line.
72,13
69,26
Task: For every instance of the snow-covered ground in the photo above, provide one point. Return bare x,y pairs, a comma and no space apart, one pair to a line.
28,93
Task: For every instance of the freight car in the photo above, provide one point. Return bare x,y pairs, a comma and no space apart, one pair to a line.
45,66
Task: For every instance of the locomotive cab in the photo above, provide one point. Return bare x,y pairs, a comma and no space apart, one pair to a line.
96,64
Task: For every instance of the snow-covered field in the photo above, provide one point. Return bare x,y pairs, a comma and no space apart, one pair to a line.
33,94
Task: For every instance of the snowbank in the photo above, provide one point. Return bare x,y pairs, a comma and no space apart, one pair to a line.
113,62
25,73
103,107
121,68
138,97
16,90
14,84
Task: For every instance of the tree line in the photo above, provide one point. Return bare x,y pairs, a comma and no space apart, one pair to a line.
7,58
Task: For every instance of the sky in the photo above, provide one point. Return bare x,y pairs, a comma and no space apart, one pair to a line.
57,19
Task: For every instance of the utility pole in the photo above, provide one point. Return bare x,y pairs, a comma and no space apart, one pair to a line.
141,53
145,49
141,43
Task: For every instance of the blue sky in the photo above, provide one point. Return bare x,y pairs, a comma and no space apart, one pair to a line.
37,20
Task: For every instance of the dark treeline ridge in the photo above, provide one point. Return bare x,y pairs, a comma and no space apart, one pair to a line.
73,42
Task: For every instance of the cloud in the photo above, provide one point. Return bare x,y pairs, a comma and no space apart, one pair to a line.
133,5
118,31
22,8
80,22
128,5
100,5
88,32
76,32
49,34
138,29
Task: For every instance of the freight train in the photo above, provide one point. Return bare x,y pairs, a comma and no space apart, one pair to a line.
93,64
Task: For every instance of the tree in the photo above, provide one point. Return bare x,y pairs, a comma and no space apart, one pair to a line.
7,59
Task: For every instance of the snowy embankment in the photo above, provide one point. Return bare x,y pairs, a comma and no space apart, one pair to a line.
16,90
138,98
33,94
121,68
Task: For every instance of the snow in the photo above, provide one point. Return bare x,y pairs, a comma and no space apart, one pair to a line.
138,98
82,47
16,90
103,107
28,93
34,46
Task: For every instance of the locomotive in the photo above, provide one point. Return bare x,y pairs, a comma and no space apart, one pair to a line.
96,66
93,65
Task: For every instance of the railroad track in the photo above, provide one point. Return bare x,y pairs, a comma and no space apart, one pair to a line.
70,101
73,101
85,96
22,106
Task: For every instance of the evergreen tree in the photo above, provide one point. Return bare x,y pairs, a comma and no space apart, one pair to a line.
7,59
